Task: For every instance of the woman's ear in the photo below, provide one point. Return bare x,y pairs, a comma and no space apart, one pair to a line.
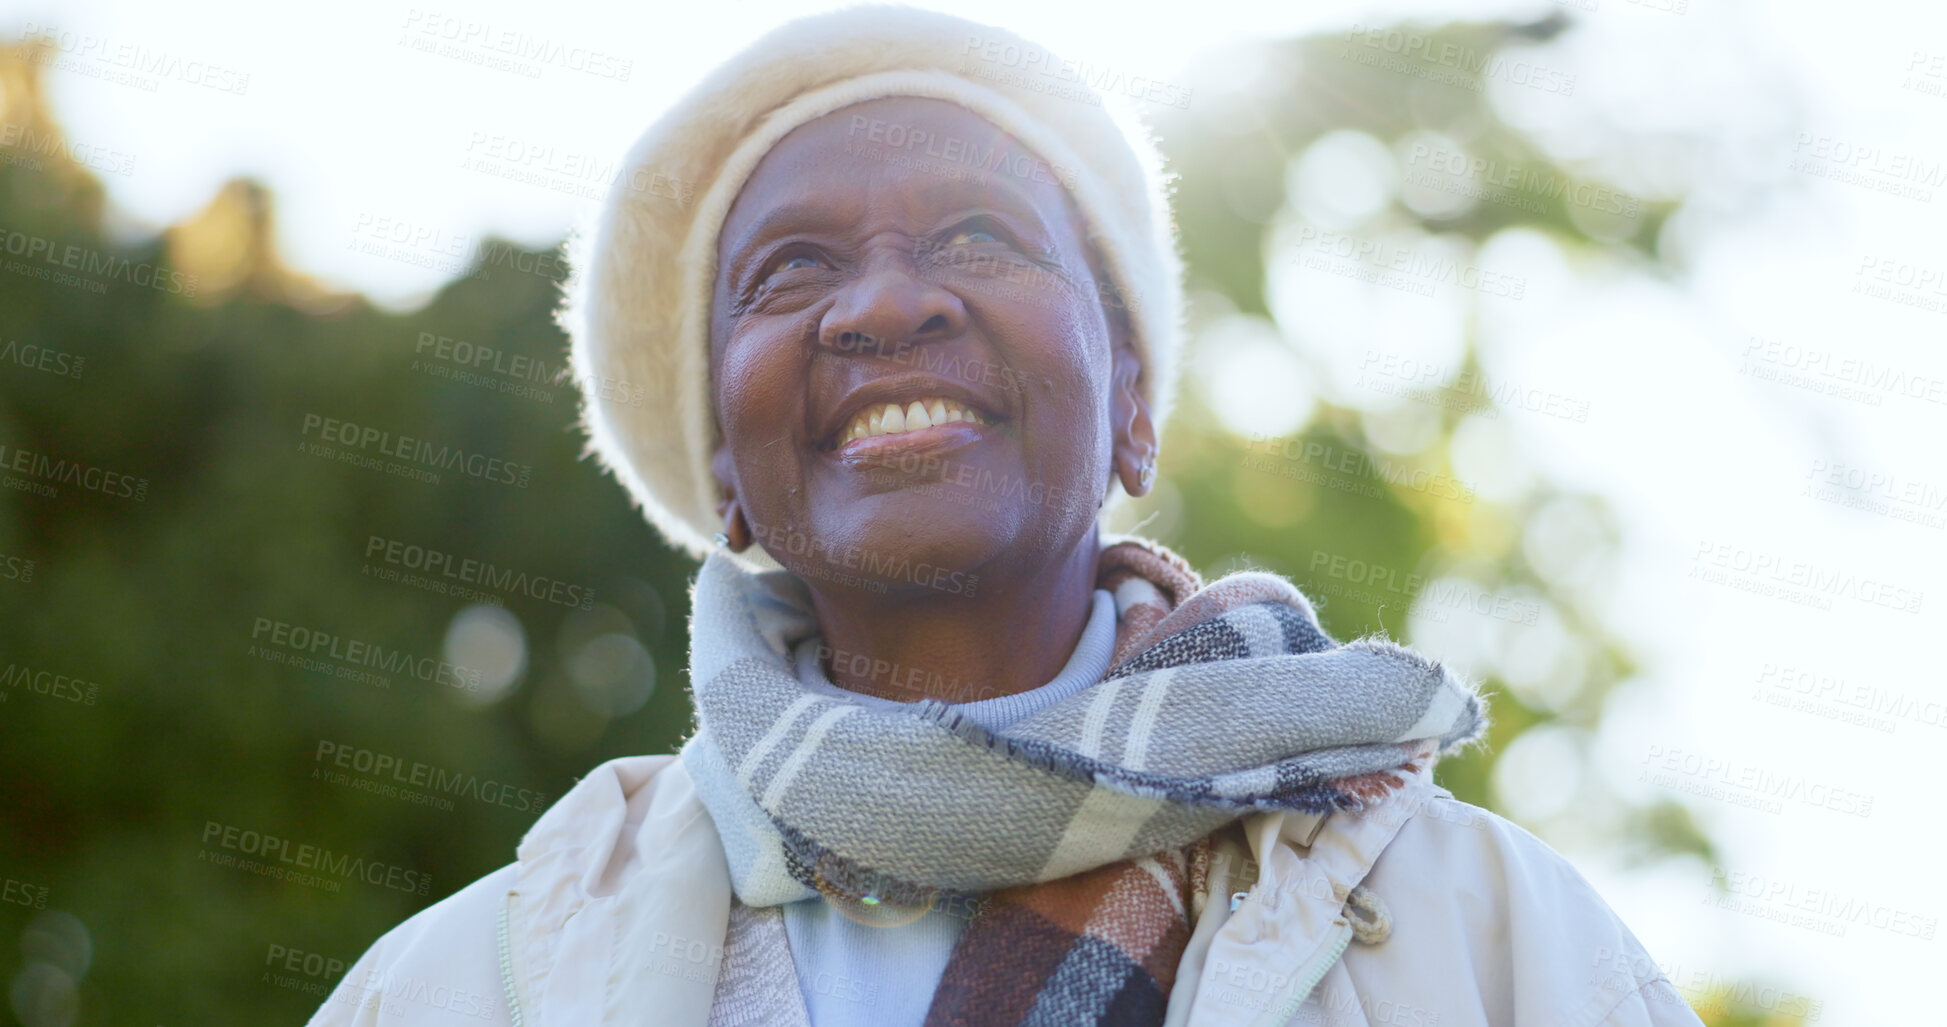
735,527
1135,433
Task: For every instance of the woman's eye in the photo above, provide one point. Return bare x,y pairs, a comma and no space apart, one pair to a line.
977,235
794,263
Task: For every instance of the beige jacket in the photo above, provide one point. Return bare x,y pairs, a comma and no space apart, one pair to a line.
616,909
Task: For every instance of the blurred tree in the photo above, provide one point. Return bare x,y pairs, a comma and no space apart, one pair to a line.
1387,533
204,388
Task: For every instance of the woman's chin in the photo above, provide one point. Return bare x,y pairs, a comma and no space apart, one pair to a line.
902,542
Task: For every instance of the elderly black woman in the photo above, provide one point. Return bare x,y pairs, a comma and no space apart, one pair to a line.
880,321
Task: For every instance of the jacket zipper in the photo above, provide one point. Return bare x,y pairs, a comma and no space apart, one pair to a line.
507,966
1320,966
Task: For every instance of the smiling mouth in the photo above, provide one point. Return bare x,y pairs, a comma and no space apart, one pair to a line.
877,419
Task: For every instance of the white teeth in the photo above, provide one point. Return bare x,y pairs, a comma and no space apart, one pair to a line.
894,419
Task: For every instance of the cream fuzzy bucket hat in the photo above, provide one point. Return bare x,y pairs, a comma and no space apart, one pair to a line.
636,304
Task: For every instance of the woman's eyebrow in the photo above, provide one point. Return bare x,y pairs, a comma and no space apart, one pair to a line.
786,219
993,191
815,215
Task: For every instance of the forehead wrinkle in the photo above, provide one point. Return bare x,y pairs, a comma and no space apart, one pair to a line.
828,141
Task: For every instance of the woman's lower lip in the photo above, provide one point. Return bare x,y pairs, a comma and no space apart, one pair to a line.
938,437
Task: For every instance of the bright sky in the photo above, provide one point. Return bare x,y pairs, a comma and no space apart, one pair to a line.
1794,125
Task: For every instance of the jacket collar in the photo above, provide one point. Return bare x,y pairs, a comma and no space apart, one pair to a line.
622,898
620,902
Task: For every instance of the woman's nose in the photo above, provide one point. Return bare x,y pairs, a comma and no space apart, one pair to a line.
888,309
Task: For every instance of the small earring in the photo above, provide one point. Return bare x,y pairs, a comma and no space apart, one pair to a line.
1148,476
721,539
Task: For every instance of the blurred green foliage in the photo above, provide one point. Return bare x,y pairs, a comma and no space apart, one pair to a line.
1234,153
159,602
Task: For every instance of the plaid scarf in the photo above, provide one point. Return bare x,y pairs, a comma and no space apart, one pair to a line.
1085,825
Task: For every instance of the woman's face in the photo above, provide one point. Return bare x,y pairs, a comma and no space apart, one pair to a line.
913,370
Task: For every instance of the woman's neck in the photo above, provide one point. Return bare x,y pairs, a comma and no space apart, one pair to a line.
957,644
